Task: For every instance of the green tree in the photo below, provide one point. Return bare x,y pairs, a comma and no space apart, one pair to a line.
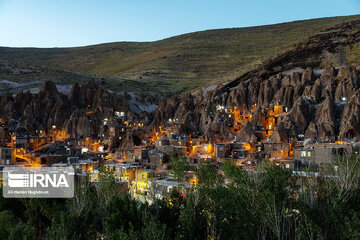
7,221
154,230
180,166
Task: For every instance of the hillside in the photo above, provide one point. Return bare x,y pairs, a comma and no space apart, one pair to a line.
179,63
321,102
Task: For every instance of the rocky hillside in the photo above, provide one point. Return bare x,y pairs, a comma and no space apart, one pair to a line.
320,95
176,64
81,112
323,103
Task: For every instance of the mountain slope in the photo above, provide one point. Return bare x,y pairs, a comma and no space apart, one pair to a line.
321,102
179,63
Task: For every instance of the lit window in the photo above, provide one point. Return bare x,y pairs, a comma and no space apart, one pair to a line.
303,153
309,154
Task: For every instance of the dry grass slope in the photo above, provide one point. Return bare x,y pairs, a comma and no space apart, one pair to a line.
180,63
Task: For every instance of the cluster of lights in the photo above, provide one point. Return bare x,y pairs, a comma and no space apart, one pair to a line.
173,120
220,107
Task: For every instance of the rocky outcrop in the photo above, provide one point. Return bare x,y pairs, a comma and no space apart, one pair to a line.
281,134
247,133
350,122
49,88
314,105
51,109
326,121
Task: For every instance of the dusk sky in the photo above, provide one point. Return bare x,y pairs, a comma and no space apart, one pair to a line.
65,23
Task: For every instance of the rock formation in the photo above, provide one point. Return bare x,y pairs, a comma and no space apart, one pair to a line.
317,106
81,113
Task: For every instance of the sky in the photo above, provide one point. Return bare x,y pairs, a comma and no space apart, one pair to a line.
68,23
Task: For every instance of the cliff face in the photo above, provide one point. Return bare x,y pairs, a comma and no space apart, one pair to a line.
322,106
81,113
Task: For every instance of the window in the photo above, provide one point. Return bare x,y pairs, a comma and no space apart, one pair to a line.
309,154
303,153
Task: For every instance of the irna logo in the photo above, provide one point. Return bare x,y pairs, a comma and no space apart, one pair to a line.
37,180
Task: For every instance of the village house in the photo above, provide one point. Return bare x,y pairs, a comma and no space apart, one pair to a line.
160,143
29,142
5,155
276,150
164,187
142,179
318,154
125,154
123,171
141,154
234,150
156,159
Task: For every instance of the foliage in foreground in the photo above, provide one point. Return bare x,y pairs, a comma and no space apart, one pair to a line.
228,204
